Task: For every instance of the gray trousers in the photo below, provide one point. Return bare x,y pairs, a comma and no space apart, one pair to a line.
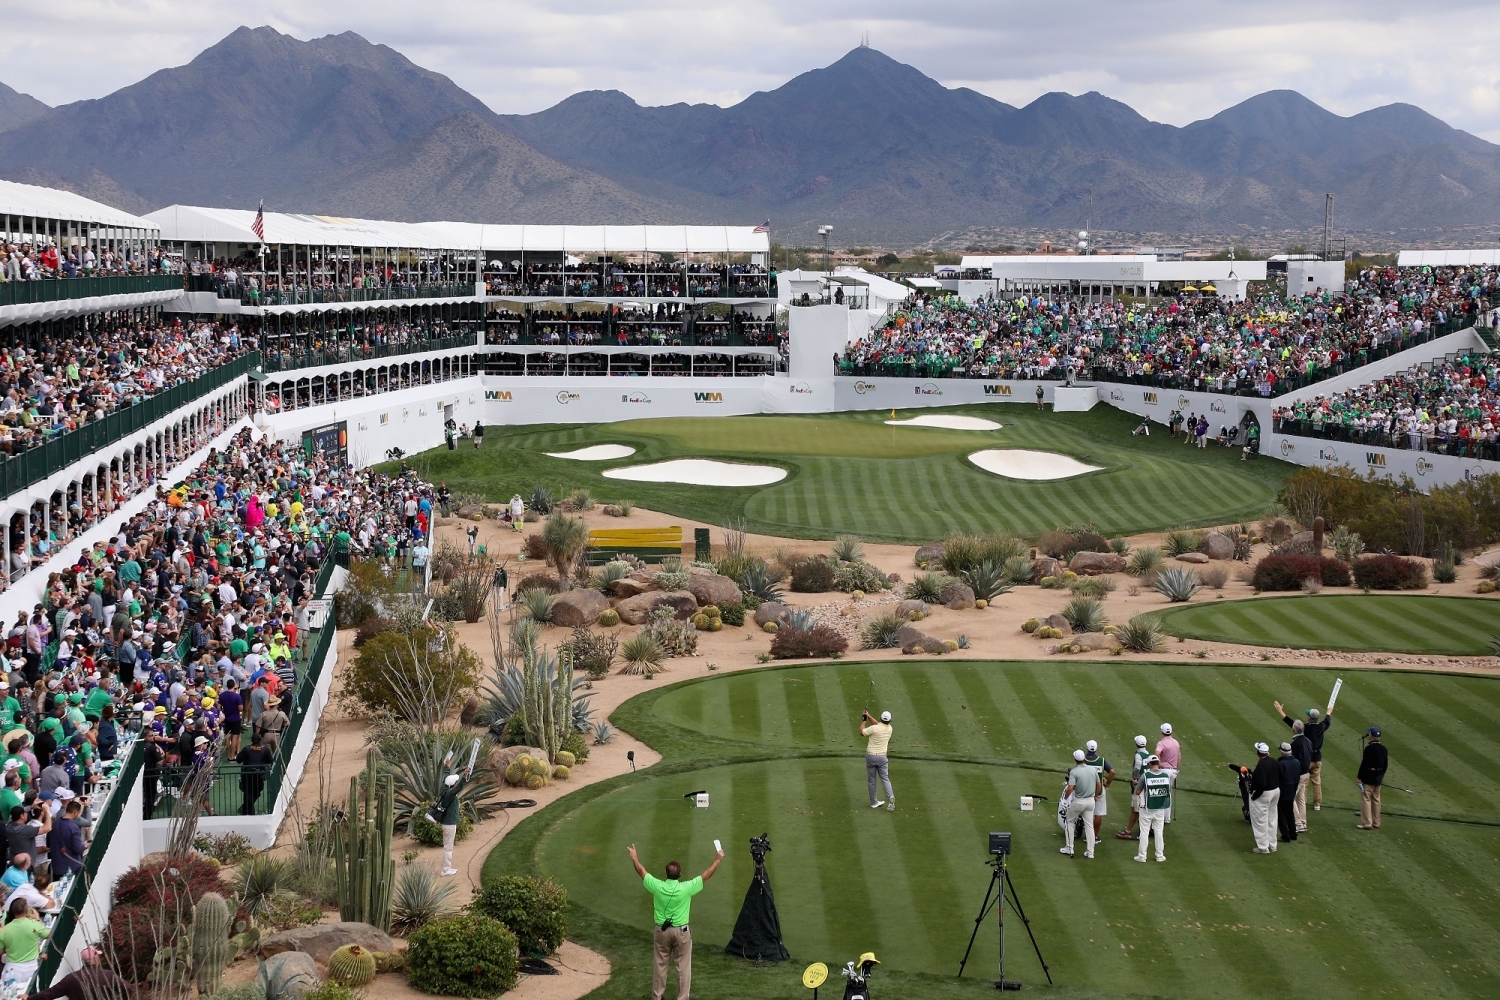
879,768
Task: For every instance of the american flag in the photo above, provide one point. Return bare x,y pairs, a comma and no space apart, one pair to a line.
258,227
764,227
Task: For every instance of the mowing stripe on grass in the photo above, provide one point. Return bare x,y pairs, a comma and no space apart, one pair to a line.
1363,622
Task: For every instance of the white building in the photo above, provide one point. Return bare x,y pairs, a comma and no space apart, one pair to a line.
1098,276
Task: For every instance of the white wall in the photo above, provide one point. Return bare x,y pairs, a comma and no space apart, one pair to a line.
815,334
1310,277
1425,468
126,848
878,393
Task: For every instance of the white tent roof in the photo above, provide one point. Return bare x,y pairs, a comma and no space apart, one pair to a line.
188,223
1446,258
882,288
50,203
602,239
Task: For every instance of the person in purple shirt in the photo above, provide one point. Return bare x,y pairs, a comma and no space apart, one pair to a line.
65,842
231,704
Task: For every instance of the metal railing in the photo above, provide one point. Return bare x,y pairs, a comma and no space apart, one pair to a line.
60,289
1432,443
281,362
19,471
320,296
611,341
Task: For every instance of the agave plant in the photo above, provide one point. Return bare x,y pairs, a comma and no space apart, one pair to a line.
1085,614
541,501
420,897
800,619
642,654
848,548
880,632
1143,561
608,574
536,604
260,880
1018,571
1142,634
1177,584
758,582
927,587
602,733
987,579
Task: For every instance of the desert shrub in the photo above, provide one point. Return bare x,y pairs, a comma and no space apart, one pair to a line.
226,848
1177,584
371,682
1387,572
424,831
1119,546
1179,543
1312,585
671,574
1018,571
820,640
533,909
1093,586
369,629
927,588
812,576
1089,541
189,877
732,612
757,582
536,604
135,933
576,744
581,500
1144,560
642,654
962,552
852,576
1288,572
534,547
1058,544
1142,634
1215,575
1085,614
593,652
364,591
545,582
465,955
880,632
1445,566
607,574
736,564
848,548
987,579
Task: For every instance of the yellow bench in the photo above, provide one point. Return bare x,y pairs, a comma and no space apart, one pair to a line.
650,545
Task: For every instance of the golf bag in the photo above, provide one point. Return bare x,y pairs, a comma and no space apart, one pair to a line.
857,980
1243,774
1064,803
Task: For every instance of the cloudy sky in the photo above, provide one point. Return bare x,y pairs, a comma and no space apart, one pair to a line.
1172,60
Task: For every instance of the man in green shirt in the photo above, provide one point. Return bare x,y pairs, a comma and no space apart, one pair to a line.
671,900
93,705
449,811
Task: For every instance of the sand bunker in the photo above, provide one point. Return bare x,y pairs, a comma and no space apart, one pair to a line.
595,453
948,422
1014,463
700,472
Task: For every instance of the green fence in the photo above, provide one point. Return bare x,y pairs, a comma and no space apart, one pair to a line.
61,289
312,359
78,893
17,472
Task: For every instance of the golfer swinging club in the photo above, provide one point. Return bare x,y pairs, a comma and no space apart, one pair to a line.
877,763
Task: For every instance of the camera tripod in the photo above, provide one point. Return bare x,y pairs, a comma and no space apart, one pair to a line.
1000,876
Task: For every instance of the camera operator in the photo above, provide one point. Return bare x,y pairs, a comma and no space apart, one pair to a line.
877,762
671,901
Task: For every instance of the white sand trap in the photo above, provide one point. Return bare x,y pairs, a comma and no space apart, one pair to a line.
700,472
948,422
595,453
1015,463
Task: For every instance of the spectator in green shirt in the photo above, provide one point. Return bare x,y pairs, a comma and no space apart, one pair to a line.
671,900
21,943
93,705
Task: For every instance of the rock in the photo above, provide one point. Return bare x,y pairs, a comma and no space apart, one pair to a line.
1094,563
1058,622
1218,545
929,555
610,510
931,645
579,606
771,611
1044,566
1088,642
711,588
293,972
905,608
893,578
1193,557
629,586
1304,538
470,511
908,635
957,596
636,610
322,940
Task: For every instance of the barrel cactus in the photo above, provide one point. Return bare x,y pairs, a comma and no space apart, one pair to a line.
351,965
535,781
210,941
609,618
769,627
560,773
564,758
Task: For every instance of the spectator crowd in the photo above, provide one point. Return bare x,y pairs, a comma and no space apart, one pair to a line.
42,261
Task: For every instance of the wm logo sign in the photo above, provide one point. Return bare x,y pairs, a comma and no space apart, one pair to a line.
997,390
1375,459
502,394
708,397
1150,397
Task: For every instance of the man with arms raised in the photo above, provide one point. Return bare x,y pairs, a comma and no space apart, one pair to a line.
671,900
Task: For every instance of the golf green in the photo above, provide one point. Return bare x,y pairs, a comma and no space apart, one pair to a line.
1379,622
1401,911
851,472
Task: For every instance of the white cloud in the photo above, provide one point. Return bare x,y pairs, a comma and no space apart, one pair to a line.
1175,62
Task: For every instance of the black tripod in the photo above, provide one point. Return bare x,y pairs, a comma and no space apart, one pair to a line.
999,876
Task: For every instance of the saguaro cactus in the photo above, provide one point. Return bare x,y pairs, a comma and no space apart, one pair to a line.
210,942
364,874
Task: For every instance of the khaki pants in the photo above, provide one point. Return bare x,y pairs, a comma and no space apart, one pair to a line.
1315,779
675,946
1299,804
1369,806
450,834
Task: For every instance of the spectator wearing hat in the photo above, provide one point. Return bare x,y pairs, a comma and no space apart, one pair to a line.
1290,769
1372,768
1137,768
255,764
1092,757
1169,752
273,723
1315,729
1265,793
1083,784
449,811
1155,790
91,982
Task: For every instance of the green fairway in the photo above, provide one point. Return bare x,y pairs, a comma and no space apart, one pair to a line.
1406,911
1452,625
850,472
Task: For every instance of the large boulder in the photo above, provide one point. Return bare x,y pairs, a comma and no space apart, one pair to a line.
1088,642
471,512
1304,538
712,588
579,606
1058,622
770,611
1193,557
907,635
1217,545
637,610
926,644
629,586
1095,563
1045,566
929,555
322,940
905,608
290,973
957,596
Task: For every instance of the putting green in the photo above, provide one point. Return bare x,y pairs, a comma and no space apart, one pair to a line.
1384,623
850,472
776,752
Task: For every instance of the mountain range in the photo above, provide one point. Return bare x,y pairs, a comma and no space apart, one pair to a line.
338,125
